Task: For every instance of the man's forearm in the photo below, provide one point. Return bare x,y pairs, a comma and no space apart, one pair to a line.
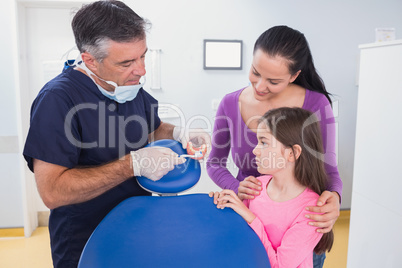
59,186
164,131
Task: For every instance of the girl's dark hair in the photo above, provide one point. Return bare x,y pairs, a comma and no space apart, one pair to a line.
292,45
106,20
296,126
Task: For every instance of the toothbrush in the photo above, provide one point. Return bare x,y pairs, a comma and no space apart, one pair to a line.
197,154
188,155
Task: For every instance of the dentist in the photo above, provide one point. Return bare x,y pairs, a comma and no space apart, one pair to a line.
89,126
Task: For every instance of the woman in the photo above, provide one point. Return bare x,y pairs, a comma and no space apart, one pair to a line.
282,75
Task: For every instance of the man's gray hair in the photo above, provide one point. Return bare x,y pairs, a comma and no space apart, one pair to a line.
98,23
100,49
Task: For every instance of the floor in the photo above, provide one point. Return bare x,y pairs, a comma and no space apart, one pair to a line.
337,257
34,252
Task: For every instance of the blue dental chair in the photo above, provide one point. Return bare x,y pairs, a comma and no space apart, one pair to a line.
172,230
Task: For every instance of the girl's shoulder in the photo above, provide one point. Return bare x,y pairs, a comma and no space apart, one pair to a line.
264,179
310,197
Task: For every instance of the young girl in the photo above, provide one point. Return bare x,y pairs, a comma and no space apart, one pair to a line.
290,154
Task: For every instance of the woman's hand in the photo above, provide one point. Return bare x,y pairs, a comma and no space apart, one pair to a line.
228,198
328,206
249,188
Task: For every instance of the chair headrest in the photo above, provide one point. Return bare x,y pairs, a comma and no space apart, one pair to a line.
181,178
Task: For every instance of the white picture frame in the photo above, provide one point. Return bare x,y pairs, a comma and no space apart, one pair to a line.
223,54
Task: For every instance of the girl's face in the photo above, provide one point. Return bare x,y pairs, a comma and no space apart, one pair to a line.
269,152
269,75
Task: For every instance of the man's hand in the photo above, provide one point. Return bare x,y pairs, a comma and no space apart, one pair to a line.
197,136
154,162
328,207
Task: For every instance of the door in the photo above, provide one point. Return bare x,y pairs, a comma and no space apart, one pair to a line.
45,36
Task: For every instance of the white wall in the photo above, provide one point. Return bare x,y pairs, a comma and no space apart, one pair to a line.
333,28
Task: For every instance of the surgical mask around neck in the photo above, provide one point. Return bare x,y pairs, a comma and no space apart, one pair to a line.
121,94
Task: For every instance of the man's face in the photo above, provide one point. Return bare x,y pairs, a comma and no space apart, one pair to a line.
125,63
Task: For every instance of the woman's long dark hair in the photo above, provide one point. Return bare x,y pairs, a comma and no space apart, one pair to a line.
292,45
296,126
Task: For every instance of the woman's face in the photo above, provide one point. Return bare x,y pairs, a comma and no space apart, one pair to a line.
269,75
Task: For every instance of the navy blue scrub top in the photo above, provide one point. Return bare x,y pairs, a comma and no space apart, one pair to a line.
74,125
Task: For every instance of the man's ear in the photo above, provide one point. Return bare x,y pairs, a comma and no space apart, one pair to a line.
295,153
89,61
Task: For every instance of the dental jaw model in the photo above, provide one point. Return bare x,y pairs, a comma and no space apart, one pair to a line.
196,153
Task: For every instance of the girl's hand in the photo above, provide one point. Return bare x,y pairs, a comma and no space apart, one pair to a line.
215,195
328,206
228,198
249,188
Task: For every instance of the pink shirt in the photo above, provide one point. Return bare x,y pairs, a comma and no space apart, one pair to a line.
283,229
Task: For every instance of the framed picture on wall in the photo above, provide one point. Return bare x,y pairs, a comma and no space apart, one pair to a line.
223,54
